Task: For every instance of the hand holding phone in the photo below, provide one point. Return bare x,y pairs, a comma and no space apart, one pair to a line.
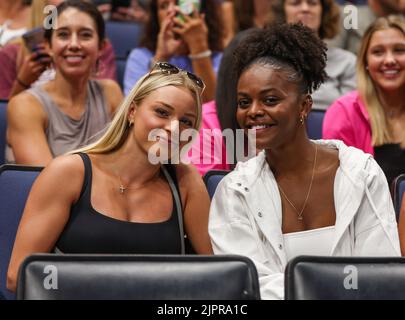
187,7
33,38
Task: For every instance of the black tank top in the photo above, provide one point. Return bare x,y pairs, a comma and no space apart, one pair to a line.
391,159
88,231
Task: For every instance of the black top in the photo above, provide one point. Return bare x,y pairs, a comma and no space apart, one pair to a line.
391,158
88,231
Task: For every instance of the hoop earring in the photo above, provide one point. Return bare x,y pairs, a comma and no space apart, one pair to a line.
302,119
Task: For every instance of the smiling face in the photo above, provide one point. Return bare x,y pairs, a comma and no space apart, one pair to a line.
75,43
271,105
168,109
386,59
309,12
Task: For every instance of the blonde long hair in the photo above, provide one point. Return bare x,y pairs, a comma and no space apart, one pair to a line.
381,133
117,132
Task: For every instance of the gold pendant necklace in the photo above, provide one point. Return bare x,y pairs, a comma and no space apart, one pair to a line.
300,213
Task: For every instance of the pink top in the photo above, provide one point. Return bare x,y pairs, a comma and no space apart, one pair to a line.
208,151
347,120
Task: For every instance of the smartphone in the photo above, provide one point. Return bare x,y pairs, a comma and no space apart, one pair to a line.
33,38
187,6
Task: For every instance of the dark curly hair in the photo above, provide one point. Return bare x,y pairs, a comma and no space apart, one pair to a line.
330,19
290,47
212,19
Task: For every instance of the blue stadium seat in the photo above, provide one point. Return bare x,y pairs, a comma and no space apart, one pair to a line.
3,129
314,124
398,190
345,278
212,178
15,185
124,36
138,277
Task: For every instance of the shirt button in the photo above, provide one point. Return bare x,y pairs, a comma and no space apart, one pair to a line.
247,189
260,214
239,184
280,246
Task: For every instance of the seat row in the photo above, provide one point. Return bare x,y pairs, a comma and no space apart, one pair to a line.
147,271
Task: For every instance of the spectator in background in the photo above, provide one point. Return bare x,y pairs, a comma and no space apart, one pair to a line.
67,112
135,11
322,16
22,68
14,19
194,44
365,14
373,117
116,200
297,196
240,15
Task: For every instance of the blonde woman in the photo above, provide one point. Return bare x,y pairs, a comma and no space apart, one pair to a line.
116,200
373,117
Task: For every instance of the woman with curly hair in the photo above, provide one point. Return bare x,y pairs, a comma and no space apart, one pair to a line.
297,196
191,42
322,16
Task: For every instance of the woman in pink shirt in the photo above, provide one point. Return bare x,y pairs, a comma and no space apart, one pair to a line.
373,117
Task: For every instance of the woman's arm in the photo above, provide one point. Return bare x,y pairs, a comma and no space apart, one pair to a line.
46,211
32,66
401,226
196,203
112,93
26,122
194,32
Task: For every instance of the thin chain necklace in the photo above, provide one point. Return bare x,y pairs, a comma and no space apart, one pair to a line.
299,213
122,188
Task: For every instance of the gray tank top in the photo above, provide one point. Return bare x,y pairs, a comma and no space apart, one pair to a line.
66,134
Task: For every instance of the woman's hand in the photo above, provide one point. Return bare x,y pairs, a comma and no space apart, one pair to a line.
33,65
168,43
193,30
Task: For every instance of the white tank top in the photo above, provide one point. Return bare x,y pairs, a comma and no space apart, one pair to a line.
315,242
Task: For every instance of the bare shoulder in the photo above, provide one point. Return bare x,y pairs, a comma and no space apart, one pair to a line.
187,173
26,102
65,173
112,92
110,86
70,164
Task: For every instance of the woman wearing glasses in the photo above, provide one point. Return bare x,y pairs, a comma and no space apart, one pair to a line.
297,196
117,199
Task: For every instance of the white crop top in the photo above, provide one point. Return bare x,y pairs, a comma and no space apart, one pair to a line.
315,242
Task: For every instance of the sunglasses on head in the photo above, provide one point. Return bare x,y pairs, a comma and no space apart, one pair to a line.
168,68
